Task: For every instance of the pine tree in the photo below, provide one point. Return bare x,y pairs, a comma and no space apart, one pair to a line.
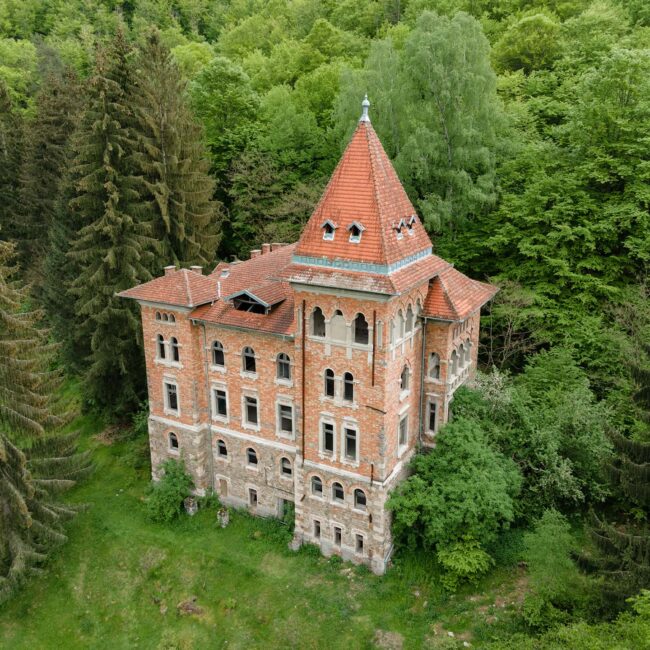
10,155
625,547
46,142
173,162
114,248
36,462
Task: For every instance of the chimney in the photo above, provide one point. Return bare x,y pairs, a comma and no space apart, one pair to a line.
170,269
266,248
197,269
256,252
276,244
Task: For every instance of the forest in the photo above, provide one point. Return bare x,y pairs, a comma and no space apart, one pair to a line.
521,132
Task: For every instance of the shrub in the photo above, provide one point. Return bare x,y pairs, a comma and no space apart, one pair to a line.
461,488
464,560
166,496
556,585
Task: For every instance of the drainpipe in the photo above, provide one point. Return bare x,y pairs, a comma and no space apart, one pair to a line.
304,335
374,343
422,372
209,397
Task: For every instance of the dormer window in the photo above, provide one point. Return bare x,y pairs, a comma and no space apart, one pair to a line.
398,229
355,229
329,229
409,224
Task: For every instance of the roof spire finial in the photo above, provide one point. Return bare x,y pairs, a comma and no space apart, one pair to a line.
365,105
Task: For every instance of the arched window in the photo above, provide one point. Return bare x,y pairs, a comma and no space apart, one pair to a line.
361,329
461,356
316,486
348,387
329,382
173,441
165,318
218,356
454,362
176,353
318,322
338,326
405,378
248,360
468,352
434,366
399,325
251,456
283,366
409,320
285,467
161,346
172,318
360,499
337,492
158,315
222,450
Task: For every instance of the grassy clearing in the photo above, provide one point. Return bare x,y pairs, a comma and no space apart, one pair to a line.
118,581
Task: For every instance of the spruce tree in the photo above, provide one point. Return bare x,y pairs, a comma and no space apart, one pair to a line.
172,162
10,155
47,138
114,248
625,546
36,462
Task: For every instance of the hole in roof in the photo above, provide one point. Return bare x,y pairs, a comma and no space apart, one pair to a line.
245,303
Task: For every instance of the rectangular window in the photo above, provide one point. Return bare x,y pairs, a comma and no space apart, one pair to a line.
403,430
317,529
432,417
328,438
285,418
350,444
250,409
359,544
252,497
338,535
172,396
220,402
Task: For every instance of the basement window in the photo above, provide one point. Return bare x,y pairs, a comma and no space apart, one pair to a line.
252,497
338,535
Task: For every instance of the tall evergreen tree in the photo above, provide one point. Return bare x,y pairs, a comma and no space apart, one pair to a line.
173,162
625,546
35,462
114,248
10,155
46,142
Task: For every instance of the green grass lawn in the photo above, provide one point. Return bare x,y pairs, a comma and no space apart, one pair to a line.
118,581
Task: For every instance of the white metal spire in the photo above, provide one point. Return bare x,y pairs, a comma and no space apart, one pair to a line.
365,105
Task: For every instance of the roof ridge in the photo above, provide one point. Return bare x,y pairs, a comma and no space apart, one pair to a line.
445,292
188,288
375,193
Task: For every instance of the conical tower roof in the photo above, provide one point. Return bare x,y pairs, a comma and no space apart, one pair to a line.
363,193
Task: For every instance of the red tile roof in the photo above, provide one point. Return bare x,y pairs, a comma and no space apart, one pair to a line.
259,276
181,287
454,296
364,188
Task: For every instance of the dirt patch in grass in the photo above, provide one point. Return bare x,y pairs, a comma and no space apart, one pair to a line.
388,640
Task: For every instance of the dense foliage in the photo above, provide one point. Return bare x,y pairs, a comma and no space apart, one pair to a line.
134,134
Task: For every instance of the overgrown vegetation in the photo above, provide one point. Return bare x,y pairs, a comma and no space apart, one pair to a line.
133,135
166,496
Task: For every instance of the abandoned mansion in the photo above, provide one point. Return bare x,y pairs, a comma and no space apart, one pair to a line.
312,372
